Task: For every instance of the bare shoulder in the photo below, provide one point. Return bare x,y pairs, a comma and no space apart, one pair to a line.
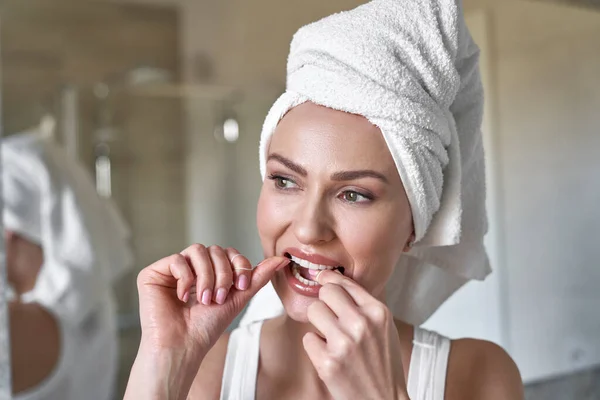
478,369
207,383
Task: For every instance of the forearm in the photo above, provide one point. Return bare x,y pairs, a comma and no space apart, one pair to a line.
162,374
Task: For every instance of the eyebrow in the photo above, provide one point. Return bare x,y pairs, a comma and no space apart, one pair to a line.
351,175
336,176
288,163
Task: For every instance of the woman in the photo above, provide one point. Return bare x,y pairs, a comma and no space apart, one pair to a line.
373,180
64,246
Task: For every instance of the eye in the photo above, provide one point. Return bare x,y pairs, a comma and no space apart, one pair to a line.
352,196
282,182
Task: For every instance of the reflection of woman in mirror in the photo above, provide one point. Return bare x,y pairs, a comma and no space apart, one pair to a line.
372,207
64,245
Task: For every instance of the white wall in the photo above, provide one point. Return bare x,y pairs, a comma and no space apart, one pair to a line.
548,93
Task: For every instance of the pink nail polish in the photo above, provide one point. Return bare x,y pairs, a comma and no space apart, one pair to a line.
221,295
186,296
242,283
206,297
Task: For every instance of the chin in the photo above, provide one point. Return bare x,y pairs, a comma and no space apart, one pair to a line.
294,303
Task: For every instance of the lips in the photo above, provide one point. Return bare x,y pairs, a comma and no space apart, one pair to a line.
312,261
302,272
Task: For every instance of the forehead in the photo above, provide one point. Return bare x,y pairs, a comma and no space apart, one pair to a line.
313,135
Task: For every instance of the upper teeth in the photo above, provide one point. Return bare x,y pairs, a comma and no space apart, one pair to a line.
309,265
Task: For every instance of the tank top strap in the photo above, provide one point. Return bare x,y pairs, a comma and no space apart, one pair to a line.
428,365
241,363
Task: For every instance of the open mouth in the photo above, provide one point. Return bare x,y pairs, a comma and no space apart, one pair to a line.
306,272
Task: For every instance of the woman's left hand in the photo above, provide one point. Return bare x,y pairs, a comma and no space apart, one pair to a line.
358,354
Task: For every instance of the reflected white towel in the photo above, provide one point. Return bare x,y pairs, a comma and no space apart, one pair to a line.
411,68
51,199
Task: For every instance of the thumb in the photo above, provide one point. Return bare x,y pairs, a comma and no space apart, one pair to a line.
261,275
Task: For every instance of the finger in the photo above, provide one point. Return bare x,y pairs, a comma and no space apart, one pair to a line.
185,279
352,320
242,269
336,297
360,296
322,318
315,348
223,273
197,256
173,272
260,276
265,270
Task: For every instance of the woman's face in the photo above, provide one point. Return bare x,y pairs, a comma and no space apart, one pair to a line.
332,196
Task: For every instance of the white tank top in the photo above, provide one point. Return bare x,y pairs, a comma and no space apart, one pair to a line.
426,374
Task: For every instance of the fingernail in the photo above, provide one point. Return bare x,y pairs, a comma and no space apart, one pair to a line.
283,263
242,282
186,297
221,294
316,278
206,296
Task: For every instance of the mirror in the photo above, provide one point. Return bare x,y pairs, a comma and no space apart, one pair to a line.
160,104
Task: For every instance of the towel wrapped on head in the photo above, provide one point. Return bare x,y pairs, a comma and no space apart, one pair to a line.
411,68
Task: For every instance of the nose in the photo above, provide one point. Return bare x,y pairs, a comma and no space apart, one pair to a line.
313,223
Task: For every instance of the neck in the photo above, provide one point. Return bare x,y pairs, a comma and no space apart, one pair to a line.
295,369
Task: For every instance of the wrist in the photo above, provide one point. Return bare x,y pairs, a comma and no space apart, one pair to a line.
161,373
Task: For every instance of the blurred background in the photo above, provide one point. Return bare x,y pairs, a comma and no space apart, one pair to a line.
163,101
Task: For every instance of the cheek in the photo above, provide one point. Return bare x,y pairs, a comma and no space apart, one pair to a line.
375,246
370,245
272,218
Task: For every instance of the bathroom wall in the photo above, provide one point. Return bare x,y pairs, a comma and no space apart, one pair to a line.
548,93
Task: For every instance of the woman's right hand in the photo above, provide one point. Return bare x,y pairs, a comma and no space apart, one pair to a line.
187,301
